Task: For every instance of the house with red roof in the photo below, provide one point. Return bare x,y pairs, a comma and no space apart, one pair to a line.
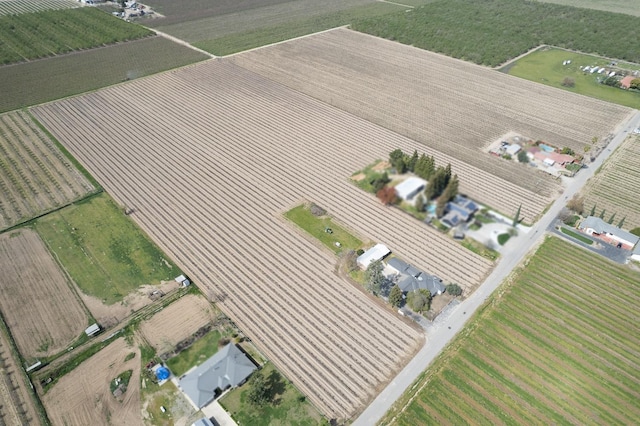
625,83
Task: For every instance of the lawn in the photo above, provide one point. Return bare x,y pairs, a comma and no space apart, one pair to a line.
103,251
23,84
289,406
317,226
558,344
194,355
490,32
36,35
545,66
576,235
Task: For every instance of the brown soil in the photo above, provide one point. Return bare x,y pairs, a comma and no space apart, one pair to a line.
381,166
358,177
176,322
83,396
39,306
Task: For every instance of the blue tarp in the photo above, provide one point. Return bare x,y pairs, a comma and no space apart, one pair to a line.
162,373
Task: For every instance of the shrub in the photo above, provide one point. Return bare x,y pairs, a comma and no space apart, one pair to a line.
522,157
503,238
568,82
420,300
316,210
387,195
454,289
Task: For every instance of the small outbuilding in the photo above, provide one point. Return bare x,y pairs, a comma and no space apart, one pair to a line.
411,187
377,252
513,149
182,280
92,330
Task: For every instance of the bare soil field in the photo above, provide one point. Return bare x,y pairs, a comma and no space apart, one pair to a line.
16,404
37,302
176,322
83,397
453,108
249,150
615,187
34,175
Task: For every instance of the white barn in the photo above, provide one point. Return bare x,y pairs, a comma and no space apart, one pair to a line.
377,252
410,188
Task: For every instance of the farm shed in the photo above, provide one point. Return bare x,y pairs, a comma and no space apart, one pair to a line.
92,330
410,188
411,278
228,368
184,281
599,228
377,252
513,149
202,422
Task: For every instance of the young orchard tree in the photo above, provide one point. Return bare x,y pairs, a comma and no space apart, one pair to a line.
373,277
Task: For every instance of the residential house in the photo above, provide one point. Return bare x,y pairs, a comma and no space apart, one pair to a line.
625,83
460,210
410,278
597,227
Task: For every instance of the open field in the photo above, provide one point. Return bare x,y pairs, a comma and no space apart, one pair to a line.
83,396
222,220
490,32
104,252
36,300
176,322
37,35
14,7
419,95
559,345
545,66
201,350
35,176
17,406
22,84
289,408
615,187
616,6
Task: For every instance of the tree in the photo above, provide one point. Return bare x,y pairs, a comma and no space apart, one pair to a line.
621,222
396,159
437,184
425,167
379,182
373,277
610,221
611,81
259,392
441,206
412,161
452,188
387,195
523,157
349,260
593,211
568,82
576,204
602,214
567,150
420,205
635,84
395,296
419,300
516,219
454,289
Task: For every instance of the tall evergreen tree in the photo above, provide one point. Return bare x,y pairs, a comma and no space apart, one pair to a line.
420,203
412,161
516,219
441,206
610,221
621,222
602,214
593,211
395,296
396,159
373,277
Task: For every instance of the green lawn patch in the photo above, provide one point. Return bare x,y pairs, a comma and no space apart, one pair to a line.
122,381
553,328
22,84
490,32
317,227
576,235
36,35
288,405
104,252
503,238
572,220
545,66
480,249
201,350
364,178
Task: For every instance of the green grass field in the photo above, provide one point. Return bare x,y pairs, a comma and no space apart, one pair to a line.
490,32
617,6
23,84
36,35
201,350
545,66
560,344
103,251
316,226
289,408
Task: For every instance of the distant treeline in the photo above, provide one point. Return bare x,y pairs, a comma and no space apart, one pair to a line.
490,32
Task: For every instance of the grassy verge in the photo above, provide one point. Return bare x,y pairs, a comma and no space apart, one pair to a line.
288,405
257,36
480,249
317,226
23,84
576,235
194,355
104,252
490,32
552,331
546,66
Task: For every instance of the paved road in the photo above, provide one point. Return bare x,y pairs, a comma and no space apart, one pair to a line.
452,321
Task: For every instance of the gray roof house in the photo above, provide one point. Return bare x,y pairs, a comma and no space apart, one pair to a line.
598,227
459,210
229,367
412,279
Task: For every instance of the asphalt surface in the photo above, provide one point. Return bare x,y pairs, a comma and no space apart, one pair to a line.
450,322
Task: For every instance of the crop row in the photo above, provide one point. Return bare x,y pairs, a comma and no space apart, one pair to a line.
15,7
554,348
36,35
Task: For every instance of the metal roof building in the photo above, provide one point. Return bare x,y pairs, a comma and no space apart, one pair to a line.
377,252
410,188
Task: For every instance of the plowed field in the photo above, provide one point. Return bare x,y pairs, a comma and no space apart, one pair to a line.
453,108
222,154
38,305
615,187
83,397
